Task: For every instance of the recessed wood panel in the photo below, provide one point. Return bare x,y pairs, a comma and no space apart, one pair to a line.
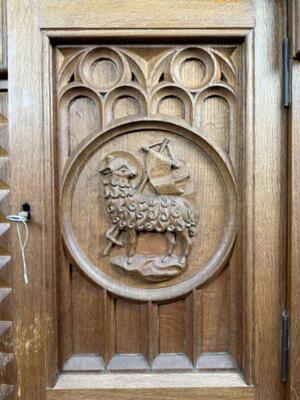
106,87
215,315
172,106
130,326
87,309
172,333
217,127
125,106
83,120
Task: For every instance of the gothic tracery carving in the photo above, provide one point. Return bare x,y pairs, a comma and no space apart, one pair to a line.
175,83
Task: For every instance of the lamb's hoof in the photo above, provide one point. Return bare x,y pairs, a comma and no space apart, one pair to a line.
129,260
165,258
120,243
182,260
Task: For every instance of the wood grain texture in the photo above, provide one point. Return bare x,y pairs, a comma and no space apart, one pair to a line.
163,386
137,14
153,394
196,34
87,306
225,380
65,322
248,335
270,203
294,236
77,78
161,336
3,38
35,118
214,307
296,28
130,327
172,333
29,303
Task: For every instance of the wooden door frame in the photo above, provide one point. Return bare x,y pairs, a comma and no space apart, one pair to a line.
294,205
294,236
31,122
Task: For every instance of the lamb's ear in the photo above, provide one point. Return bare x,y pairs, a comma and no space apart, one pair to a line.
105,171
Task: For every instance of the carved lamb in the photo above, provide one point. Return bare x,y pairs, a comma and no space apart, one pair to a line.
134,212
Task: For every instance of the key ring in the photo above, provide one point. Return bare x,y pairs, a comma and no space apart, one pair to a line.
22,218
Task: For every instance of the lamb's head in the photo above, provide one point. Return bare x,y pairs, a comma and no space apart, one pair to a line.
118,168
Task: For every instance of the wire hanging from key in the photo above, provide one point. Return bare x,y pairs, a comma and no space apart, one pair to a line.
22,218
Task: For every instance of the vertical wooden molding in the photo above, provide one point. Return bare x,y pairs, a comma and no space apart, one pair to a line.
6,342
296,28
25,125
294,234
294,212
153,331
3,41
270,170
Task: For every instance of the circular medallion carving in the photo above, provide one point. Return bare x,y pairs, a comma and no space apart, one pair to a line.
102,68
149,209
193,68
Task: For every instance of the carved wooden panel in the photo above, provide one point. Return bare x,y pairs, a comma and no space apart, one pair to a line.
148,161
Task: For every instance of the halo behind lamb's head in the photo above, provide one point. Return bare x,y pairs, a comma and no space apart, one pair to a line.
123,165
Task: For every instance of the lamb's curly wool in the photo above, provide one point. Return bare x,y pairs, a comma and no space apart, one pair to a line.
129,209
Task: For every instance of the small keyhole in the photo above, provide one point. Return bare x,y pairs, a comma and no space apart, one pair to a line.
26,208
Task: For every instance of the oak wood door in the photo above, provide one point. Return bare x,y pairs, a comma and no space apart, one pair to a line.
149,140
